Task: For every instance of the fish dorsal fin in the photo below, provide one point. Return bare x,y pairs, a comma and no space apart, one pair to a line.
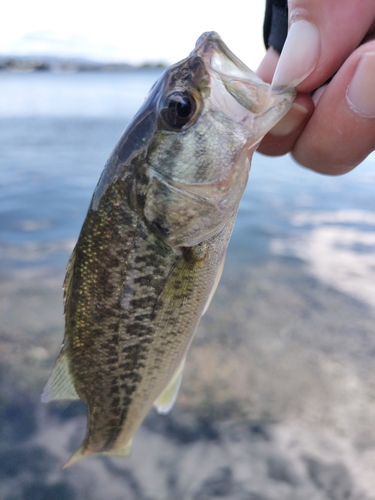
167,398
60,384
69,275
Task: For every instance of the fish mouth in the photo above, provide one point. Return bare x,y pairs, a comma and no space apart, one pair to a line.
266,105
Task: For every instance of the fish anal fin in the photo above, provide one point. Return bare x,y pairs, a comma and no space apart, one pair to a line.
167,398
60,384
82,452
216,282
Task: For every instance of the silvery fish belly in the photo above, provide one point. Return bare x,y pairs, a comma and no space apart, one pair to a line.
152,246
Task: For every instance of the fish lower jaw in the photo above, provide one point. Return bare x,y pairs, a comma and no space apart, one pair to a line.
264,122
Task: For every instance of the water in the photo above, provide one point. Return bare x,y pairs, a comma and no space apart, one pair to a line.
284,355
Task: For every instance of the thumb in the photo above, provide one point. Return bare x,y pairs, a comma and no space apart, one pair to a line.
321,37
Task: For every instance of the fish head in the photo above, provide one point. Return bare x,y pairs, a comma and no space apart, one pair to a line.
188,150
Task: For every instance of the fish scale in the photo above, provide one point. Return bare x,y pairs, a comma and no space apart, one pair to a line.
125,352
152,247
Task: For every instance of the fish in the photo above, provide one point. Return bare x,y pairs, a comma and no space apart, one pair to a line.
152,246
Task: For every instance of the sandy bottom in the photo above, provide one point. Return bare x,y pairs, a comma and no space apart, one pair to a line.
277,400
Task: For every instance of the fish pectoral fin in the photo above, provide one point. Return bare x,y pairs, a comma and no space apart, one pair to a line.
167,398
82,452
60,384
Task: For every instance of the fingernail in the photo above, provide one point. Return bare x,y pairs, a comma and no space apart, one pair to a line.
361,90
291,121
299,56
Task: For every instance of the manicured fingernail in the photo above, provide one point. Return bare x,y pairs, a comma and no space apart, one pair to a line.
299,56
291,121
361,90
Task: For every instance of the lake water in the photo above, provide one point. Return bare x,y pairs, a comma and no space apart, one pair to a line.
283,362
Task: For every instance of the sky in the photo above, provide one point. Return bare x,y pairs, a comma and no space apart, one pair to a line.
133,31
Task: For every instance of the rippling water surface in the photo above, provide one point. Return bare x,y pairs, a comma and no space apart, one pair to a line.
277,398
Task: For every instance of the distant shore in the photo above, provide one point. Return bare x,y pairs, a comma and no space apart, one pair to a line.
29,64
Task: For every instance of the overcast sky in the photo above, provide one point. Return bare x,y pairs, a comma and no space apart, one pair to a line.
131,30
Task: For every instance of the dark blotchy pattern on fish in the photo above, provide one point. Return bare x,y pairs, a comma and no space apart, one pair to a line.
111,287
116,296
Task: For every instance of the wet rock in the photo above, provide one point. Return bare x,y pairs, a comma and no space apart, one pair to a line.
33,460
182,427
58,491
18,420
255,496
221,485
66,410
259,431
279,469
334,479
128,477
250,430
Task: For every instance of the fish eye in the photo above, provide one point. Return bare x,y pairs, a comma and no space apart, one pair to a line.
177,109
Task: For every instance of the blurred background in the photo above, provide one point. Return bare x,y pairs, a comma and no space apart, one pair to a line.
278,396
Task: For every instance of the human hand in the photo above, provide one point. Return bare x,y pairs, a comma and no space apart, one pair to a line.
334,130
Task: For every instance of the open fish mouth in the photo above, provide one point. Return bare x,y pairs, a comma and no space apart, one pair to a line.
245,86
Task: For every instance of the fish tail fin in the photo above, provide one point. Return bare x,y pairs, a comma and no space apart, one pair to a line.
78,455
83,452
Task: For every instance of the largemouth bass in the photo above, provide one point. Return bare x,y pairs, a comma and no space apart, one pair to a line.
152,246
